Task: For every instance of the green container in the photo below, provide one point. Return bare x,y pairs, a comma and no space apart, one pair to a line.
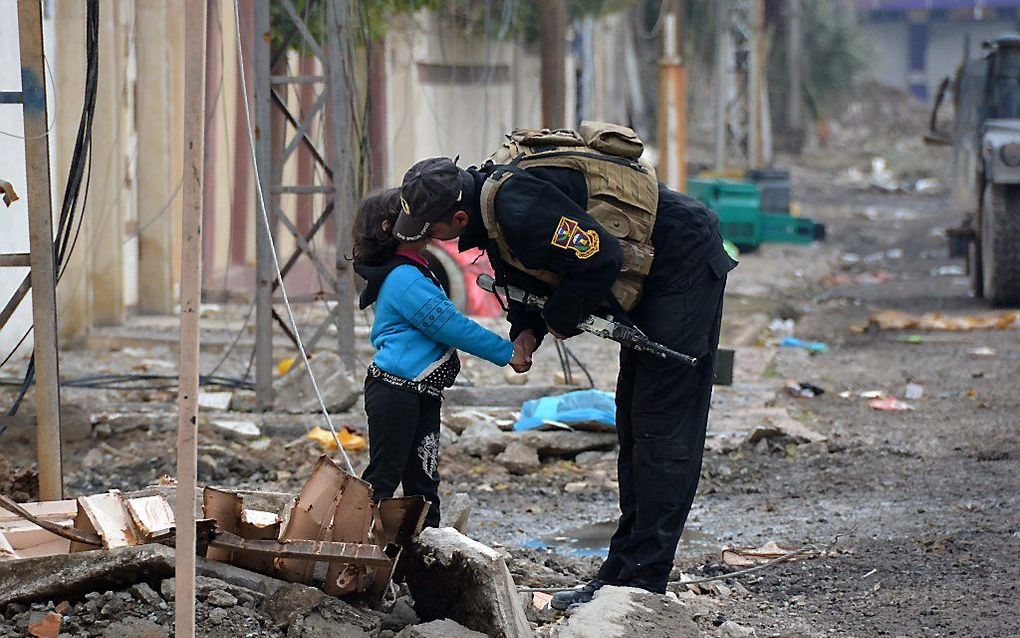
738,205
787,229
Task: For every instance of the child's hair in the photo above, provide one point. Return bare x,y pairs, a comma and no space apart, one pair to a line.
372,244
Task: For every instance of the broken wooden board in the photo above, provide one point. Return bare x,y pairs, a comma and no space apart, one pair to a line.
224,507
107,516
402,518
312,515
152,516
257,525
57,511
352,522
306,550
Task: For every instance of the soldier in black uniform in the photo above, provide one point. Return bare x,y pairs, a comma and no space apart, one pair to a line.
662,406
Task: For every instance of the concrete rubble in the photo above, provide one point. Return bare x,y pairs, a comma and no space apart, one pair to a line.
626,612
451,576
340,390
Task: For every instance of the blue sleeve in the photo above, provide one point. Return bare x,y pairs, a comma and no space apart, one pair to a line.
428,309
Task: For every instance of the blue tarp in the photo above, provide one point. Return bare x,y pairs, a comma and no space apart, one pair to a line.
581,407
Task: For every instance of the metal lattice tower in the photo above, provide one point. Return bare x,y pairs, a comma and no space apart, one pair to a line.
330,105
741,119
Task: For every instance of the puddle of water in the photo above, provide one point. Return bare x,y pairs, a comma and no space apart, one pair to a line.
593,540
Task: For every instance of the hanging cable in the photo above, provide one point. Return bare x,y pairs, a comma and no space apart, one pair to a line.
63,243
265,220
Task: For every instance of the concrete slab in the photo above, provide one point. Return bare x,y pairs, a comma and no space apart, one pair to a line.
626,612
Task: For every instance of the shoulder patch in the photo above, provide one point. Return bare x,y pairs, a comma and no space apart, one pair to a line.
569,236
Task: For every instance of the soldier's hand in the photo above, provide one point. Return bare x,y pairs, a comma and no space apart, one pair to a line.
524,346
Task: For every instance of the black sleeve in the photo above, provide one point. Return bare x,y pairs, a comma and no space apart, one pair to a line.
545,229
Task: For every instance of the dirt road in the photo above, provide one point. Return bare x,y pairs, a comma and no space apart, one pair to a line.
924,502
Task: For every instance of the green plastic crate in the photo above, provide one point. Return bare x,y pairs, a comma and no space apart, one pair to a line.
738,205
787,229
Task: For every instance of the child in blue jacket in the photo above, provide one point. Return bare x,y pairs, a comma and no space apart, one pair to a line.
417,332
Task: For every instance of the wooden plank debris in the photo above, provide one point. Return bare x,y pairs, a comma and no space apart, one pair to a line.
85,539
257,525
352,523
105,515
306,550
312,515
152,516
225,508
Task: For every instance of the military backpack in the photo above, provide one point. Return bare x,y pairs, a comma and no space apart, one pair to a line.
623,195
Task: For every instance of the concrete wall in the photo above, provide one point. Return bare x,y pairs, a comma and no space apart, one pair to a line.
889,40
437,109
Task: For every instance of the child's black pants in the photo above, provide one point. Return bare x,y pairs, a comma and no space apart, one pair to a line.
403,431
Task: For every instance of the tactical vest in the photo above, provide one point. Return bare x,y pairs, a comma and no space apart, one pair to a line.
623,193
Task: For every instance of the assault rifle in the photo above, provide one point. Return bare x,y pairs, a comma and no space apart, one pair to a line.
605,327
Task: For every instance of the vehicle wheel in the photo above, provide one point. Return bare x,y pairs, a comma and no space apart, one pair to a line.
1000,244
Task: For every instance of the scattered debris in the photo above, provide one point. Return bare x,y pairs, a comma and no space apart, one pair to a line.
242,429
865,279
592,410
913,391
898,320
890,404
750,556
339,388
519,458
803,390
625,612
984,352
439,629
954,270
456,512
215,400
780,430
813,347
872,394
911,339
348,438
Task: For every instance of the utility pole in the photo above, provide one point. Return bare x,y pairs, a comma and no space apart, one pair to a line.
793,53
41,253
191,297
156,293
673,100
722,56
107,179
553,27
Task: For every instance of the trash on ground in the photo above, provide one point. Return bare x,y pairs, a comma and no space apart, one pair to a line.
872,394
782,429
954,270
867,278
244,429
803,389
813,347
899,320
215,400
913,391
592,410
781,328
911,339
750,556
890,404
984,352
348,438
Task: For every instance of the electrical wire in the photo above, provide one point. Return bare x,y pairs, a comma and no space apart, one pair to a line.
269,235
63,244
